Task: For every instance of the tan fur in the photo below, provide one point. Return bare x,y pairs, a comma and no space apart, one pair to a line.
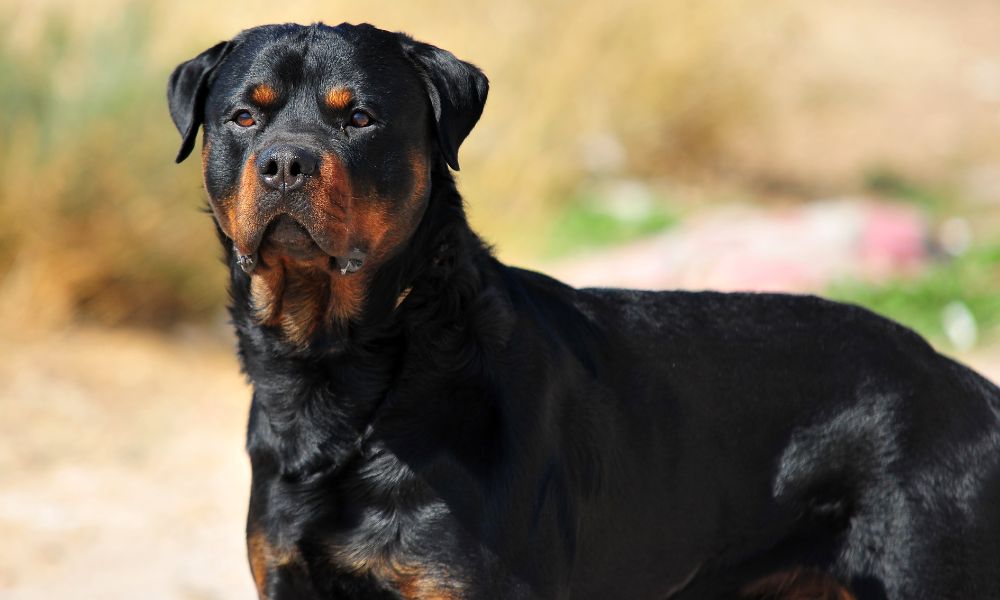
347,296
265,558
267,287
264,95
236,214
294,295
421,175
334,195
206,148
257,549
797,584
413,581
243,213
385,231
303,303
339,98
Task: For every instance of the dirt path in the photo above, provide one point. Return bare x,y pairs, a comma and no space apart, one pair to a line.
122,473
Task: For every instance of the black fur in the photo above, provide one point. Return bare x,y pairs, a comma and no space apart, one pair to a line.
457,92
189,84
502,435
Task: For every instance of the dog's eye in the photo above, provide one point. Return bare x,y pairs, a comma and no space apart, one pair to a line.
360,119
244,119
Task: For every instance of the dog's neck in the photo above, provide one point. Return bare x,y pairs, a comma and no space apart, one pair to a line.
318,399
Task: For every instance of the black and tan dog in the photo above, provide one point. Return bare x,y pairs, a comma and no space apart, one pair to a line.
429,423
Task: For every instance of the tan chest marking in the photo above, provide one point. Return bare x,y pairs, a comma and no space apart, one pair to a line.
265,558
300,298
413,580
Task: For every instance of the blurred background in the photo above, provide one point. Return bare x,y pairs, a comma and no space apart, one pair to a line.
850,149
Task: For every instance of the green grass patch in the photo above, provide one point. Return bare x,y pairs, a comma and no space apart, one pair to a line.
592,221
972,279
889,183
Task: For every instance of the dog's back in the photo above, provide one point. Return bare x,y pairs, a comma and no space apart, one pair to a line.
780,432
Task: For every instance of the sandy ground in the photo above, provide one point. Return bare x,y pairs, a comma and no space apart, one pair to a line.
122,473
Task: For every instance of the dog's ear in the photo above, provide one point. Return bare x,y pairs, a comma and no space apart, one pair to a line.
457,92
187,91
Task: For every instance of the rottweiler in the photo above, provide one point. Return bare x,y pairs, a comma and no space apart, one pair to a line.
428,422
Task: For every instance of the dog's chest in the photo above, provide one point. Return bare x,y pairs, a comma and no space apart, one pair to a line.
371,532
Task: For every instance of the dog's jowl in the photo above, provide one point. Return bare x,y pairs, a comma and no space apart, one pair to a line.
430,423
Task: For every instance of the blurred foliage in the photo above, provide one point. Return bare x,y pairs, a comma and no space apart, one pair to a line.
650,89
95,221
970,280
973,279
596,220
887,182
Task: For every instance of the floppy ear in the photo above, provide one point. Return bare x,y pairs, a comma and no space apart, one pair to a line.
187,90
457,92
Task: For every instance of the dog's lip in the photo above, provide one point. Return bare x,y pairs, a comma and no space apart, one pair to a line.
289,233
294,239
280,228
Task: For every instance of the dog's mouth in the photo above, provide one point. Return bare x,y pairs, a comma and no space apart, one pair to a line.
291,237
288,237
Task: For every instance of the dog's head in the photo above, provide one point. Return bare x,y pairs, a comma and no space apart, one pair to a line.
319,141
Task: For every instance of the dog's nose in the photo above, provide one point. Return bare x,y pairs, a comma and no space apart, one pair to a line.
284,167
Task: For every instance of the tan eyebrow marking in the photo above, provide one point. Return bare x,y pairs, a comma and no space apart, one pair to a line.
264,95
339,98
